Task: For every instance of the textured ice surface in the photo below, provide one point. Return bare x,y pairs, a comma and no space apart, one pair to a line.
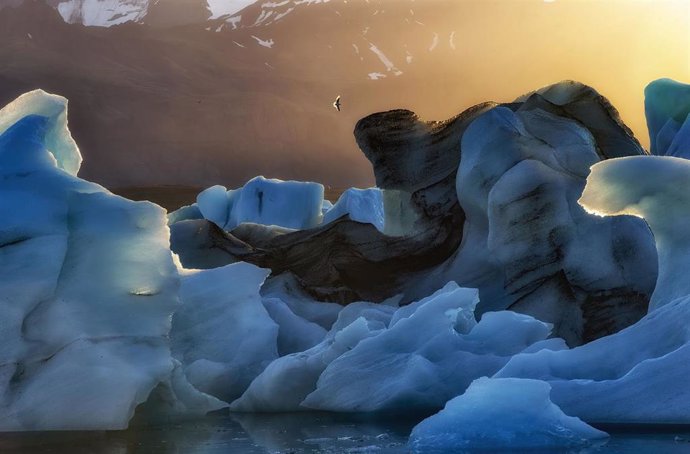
290,204
361,205
378,357
87,288
87,283
667,105
635,376
496,414
654,188
57,138
288,380
430,353
222,334
526,241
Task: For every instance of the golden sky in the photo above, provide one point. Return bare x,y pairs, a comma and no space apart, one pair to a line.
514,46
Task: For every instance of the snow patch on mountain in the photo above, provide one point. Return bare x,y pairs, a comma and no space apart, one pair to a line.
390,66
221,8
268,43
102,13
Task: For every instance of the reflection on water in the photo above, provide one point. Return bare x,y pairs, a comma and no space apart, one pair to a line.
294,434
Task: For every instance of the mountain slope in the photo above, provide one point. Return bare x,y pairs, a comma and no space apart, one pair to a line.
171,100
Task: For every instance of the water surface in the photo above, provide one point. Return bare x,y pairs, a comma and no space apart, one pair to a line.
298,434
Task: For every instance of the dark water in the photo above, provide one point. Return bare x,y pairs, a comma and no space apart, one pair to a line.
296,434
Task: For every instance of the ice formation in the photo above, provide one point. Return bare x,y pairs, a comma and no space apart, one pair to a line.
667,106
289,204
526,239
370,348
634,376
88,283
497,414
650,187
500,214
222,334
57,139
361,205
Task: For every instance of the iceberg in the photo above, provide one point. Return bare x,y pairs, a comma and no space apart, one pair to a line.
379,357
502,414
87,283
652,188
634,376
287,381
528,246
360,205
222,334
430,353
289,204
667,106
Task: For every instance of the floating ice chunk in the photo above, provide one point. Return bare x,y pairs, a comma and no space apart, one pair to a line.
288,380
291,204
87,284
527,244
653,188
496,414
222,333
635,376
667,105
361,205
425,358
57,138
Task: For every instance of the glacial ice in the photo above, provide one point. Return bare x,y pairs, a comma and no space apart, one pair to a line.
420,372
496,414
141,333
667,108
87,283
222,334
526,240
289,204
653,188
360,205
634,376
58,139
370,348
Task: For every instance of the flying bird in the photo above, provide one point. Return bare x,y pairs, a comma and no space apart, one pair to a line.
336,104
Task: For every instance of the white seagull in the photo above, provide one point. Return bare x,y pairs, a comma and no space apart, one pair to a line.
336,104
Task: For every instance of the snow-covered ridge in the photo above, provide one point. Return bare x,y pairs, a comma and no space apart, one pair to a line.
103,13
106,13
